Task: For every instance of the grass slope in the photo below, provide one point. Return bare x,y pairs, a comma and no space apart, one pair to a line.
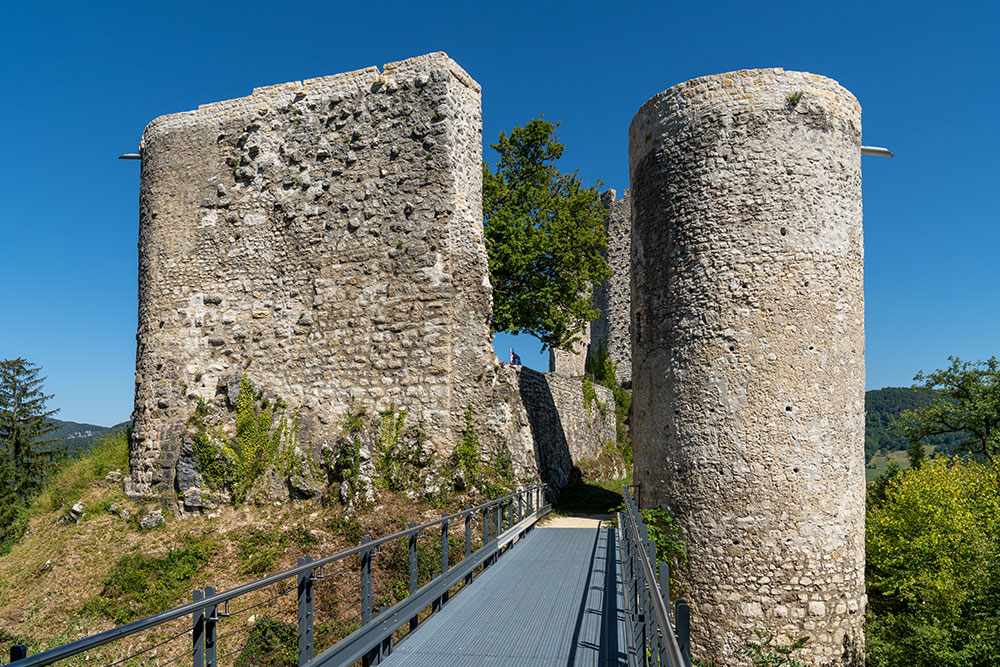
64,581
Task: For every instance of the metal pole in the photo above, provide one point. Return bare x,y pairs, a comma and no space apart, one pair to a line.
18,652
682,617
444,554
366,582
665,593
211,621
468,542
414,582
305,595
198,630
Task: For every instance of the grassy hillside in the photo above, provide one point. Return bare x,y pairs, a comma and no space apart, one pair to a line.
66,580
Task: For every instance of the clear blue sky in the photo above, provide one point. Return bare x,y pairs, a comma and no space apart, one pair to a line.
81,80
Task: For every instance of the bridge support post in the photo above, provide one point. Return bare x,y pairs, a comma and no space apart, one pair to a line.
305,598
18,652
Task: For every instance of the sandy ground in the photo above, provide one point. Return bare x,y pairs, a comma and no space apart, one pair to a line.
593,521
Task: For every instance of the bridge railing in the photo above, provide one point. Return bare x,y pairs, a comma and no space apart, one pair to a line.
651,637
197,643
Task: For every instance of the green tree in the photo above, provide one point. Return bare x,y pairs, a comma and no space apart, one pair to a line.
968,404
24,425
933,567
544,236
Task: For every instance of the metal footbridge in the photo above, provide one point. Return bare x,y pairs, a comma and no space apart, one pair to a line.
525,595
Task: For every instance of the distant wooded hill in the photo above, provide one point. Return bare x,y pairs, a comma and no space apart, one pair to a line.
884,406
78,438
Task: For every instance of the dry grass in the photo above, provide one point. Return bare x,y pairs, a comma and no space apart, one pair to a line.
50,581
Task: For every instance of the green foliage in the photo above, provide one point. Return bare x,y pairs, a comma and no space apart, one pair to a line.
793,101
397,459
590,398
665,533
349,527
933,566
236,464
466,455
969,405
140,585
605,372
544,235
271,643
884,406
765,652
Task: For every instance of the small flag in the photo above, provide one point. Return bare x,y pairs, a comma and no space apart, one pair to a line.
514,359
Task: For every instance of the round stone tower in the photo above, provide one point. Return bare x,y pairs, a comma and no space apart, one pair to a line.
748,353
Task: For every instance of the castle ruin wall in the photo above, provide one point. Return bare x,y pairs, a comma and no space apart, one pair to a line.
325,238
613,296
748,353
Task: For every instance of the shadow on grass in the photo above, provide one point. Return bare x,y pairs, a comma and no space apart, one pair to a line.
582,498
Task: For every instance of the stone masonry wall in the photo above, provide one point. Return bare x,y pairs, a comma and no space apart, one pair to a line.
324,237
571,363
748,353
613,296
565,430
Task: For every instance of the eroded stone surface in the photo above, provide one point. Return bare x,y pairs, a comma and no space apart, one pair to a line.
748,353
613,297
325,237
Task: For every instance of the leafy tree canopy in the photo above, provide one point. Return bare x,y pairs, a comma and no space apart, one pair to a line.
933,566
969,404
544,236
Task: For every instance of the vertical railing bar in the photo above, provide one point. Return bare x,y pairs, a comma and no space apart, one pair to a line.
414,582
211,621
444,554
682,616
366,582
468,541
198,630
664,576
305,598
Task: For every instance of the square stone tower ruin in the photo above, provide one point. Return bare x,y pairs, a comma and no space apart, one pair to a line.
323,237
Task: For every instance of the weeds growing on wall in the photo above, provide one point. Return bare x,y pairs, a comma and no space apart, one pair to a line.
665,533
764,651
397,451
236,463
605,373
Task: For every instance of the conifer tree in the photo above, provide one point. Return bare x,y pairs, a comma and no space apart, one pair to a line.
28,454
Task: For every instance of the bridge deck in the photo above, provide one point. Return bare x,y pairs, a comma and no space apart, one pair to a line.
542,603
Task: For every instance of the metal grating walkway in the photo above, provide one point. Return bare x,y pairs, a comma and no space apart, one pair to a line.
542,603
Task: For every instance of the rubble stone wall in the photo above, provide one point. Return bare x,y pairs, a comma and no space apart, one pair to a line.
613,297
748,347
565,429
324,237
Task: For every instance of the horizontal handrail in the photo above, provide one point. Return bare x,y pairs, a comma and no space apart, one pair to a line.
93,641
674,654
